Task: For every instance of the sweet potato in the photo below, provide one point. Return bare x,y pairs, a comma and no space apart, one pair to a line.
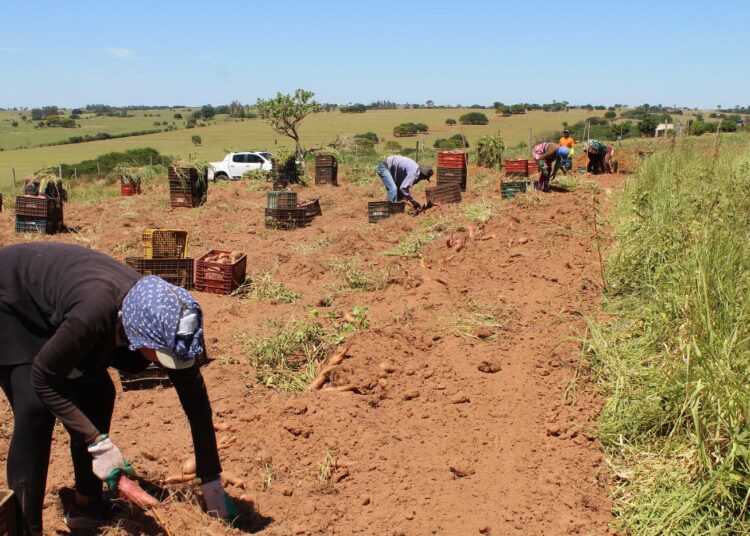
131,491
188,468
178,479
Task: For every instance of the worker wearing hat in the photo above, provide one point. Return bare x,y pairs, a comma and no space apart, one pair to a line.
399,174
67,313
548,157
567,141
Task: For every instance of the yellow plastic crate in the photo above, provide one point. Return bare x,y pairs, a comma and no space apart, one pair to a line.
165,244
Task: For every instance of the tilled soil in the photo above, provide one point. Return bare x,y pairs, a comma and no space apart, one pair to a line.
454,428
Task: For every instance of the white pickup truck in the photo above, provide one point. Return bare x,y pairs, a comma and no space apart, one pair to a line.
235,164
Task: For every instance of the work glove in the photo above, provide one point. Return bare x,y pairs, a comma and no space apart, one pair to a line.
108,462
218,503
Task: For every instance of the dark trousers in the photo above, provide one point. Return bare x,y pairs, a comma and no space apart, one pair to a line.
29,451
596,163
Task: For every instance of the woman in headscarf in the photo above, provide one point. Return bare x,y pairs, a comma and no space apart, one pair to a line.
548,156
67,313
597,153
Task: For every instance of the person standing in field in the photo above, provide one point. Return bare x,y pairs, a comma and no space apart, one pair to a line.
67,313
549,157
399,174
596,152
567,141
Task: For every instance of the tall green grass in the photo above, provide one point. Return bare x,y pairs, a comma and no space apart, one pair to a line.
674,356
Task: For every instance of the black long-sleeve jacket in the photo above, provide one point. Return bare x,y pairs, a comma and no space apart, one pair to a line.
59,307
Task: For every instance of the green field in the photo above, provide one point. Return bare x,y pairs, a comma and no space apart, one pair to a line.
226,134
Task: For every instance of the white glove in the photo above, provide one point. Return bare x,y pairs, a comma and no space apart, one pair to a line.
108,461
213,495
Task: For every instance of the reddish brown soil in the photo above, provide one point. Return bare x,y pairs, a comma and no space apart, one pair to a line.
436,447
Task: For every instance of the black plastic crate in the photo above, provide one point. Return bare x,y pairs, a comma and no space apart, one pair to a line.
510,189
178,272
30,224
287,218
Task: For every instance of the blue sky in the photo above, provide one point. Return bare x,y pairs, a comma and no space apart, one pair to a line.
71,53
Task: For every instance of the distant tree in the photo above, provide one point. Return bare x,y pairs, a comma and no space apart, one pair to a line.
699,117
236,109
621,129
178,115
368,139
647,126
610,115
285,112
196,140
353,109
207,111
457,141
409,129
429,104
14,123
450,122
474,118
24,117
713,115
221,109
517,109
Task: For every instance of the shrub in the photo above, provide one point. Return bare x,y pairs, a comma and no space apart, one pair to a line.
647,126
196,140
367,140
450,122
392,146
409,129
177,116
490,150
353,109
107,162
474,118
610,115
457,141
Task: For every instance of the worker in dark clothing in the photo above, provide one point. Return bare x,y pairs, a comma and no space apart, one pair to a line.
597,153
399,174
67,313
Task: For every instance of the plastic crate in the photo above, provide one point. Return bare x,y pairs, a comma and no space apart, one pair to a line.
452,159
325,160
378,210
444,193
153,376
183,200
37,206
397,208
516,167
219,278
11,518
281,200
30,224
287,218
178,272
326,175
312,208
130,189
510,189
452,176
165,244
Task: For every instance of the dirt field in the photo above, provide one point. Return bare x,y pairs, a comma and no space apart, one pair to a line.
456,427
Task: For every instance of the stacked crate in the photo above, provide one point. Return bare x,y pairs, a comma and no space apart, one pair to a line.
452,166
516,168
165,254
326,170
283,211
443,193
38,214
186,188
129,188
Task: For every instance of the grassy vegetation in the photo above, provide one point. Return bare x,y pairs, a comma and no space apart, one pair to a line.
480,212
674,358
430,229
263,287
357,277
288,359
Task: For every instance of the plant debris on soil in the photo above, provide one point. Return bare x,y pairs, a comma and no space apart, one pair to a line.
434,417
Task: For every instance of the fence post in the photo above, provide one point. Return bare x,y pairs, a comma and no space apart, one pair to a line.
75,173
98,169
59,171
14,177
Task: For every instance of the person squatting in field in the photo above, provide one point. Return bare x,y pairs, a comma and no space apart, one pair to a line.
549,157
399,174
567,141
599,157
67,313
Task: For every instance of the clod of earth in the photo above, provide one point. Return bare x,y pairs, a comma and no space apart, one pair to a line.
387,367
489,367
461,471
188,468
460,398
523,240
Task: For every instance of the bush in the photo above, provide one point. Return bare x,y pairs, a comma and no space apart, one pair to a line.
392,146
647,126
490,149
474,118
353,109
107,162
450,122
196,140
409,129
368,139
177,116
457,141
611,115
60,121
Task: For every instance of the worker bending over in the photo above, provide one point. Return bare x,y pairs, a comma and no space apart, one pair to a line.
549,157
399,174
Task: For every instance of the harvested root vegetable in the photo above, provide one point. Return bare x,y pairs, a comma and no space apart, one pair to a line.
131,491
235,256
232,480
339,356
221,427
178,479
488,237
225,441
321,378
188,468
387,367
459,244
472,231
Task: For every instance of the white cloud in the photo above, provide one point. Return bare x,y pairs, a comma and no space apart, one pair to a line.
121,53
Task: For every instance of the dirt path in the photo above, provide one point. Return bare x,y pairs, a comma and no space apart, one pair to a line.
432,446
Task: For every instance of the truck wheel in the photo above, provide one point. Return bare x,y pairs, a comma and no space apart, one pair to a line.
220,177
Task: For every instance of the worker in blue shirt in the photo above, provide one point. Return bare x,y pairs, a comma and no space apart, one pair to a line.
399,174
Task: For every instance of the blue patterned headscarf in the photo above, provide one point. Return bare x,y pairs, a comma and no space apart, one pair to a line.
154,311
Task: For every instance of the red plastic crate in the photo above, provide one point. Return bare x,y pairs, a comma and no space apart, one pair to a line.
516,166
452,159
37,206
130,189
219,278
